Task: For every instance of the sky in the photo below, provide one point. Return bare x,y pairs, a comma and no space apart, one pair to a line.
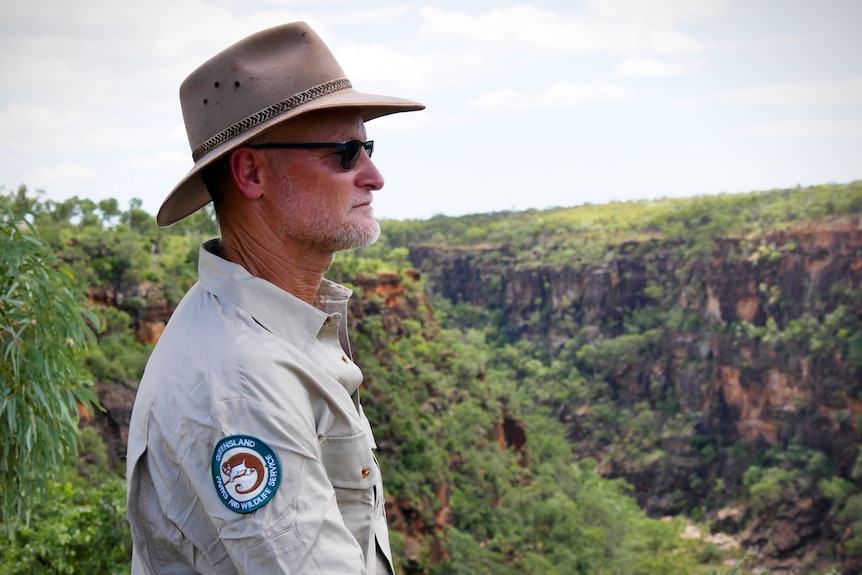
529,105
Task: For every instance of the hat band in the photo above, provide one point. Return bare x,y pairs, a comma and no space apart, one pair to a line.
268,113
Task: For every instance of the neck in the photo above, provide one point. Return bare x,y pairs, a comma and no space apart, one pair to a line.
293,268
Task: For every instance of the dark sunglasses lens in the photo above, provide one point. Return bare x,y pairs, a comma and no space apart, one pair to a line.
350,153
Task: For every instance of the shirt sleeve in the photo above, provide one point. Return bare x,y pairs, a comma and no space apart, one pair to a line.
299,529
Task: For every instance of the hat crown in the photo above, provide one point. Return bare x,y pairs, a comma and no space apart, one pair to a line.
252,75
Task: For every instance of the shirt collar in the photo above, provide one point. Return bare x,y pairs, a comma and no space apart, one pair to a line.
278,311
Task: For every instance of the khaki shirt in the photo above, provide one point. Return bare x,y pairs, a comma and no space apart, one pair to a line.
248,450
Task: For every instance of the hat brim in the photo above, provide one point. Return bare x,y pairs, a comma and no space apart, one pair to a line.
191,194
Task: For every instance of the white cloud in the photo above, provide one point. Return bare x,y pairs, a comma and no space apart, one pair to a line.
670,41
151,166
804,130
793,94
815,93
558,96
652,68
662,11
526,29
413,122
63,173
379,68
39,125
517,29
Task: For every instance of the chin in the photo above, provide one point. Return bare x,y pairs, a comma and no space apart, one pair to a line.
369,238
358,236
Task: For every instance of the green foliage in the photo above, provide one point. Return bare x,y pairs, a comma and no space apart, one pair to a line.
847,509
856,473
44,331
80,528
117,250
851,517
737,570
440,404
766,487
486,423
612,356
837,489
584,234
792,467
118,357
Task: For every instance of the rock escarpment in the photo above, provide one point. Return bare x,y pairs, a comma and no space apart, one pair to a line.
745,387
758,347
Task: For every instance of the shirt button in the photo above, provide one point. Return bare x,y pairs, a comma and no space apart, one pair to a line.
365,472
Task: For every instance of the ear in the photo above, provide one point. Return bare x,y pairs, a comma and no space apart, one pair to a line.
246,169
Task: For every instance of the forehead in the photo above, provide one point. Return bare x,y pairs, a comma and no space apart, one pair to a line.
343,123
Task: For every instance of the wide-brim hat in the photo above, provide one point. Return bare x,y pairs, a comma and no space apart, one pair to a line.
265,79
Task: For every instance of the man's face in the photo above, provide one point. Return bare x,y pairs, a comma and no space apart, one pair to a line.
319,205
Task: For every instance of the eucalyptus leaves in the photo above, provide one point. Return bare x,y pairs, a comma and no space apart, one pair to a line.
44,329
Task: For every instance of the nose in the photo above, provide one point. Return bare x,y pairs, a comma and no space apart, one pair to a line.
367,174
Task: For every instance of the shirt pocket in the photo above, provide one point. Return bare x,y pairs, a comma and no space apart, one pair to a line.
349,461
353,472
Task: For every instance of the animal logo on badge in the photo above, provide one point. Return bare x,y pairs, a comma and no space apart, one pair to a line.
246,472
239,467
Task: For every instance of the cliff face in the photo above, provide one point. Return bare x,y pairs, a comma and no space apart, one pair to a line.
819,276
744,386
764,356
117,397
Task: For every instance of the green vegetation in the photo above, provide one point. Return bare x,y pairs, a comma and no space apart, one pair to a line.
584,234
81,526
44,332
528,433
442,405
629,383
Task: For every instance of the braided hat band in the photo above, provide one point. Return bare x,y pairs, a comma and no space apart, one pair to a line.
269,113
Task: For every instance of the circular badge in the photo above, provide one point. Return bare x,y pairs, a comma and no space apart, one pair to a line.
246,472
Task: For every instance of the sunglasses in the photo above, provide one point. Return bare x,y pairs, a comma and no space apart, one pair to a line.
349,149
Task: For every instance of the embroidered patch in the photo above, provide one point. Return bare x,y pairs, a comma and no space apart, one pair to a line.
246,472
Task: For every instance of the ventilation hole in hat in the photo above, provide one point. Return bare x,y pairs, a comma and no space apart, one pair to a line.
236,84
216,84
206,101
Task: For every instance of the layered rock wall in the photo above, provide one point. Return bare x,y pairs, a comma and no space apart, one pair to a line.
732,368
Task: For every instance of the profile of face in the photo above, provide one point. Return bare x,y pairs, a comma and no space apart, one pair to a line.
316,202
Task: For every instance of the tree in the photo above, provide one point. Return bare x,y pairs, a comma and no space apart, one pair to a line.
81,527
44,330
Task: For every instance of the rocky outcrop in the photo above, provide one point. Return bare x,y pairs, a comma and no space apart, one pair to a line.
394,300
760,357
145,304
789,280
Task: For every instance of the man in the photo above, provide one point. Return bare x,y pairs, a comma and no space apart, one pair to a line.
248,449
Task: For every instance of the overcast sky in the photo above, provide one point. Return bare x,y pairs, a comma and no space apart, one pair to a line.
529,105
